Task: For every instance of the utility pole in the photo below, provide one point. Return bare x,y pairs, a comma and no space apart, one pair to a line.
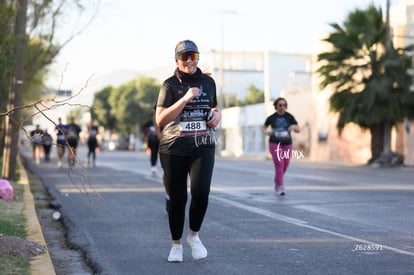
221,63
387,26
15,98
266,75
387,124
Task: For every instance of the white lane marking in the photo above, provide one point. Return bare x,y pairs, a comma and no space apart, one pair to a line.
304,224
259,211
281,217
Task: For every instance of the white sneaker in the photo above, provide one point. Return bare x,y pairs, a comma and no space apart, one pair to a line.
281,190
153,171
198,251
176,253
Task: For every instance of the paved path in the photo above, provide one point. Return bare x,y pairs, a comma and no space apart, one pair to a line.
334,219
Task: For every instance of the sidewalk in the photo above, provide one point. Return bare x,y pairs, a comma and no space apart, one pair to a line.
42,264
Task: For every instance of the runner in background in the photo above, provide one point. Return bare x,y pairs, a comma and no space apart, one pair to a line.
61,130
72,137
47,144
92,143
36,137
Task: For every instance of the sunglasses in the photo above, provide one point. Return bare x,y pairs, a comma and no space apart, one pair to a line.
281,105
192,55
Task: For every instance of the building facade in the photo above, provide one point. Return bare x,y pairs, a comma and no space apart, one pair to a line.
290,76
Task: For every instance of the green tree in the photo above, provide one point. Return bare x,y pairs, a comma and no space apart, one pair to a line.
7,42
126,107
101,109
28,45
44,17
370,82
254,96
148,89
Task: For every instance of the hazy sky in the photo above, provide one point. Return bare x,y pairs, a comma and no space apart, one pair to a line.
140,36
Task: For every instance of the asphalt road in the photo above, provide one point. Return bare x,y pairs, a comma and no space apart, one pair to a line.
334,219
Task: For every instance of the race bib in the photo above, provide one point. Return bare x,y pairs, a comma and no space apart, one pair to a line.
193,126
193,122
72,134
281,134
37,138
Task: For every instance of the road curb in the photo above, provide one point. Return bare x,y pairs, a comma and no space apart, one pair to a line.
42,264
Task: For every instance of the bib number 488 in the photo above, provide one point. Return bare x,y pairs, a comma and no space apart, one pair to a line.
193,126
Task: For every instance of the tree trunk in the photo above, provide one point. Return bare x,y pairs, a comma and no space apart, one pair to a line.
387,138
13,119
377,141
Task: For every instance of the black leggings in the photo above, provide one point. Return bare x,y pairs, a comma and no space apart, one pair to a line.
154,146
92,144
176,169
